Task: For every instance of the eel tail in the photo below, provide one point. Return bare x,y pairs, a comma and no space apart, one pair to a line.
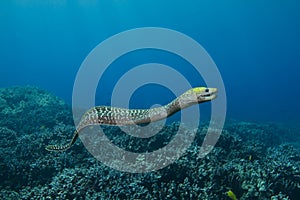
60,148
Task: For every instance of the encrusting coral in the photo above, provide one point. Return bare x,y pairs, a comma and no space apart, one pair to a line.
27,171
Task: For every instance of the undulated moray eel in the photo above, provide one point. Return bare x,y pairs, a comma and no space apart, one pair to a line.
107,115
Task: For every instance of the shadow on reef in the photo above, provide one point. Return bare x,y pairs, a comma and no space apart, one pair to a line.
253,160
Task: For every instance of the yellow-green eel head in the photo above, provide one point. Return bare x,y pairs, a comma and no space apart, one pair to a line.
205,94
197,95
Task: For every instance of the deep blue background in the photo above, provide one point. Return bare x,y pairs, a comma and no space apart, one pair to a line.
255,44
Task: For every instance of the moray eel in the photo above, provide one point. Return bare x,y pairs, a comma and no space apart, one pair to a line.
107,115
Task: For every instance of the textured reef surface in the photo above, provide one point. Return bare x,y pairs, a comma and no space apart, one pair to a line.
253,160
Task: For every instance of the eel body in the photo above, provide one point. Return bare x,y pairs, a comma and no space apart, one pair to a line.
115,116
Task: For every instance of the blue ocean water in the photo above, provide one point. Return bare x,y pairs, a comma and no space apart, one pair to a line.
256,47
255,44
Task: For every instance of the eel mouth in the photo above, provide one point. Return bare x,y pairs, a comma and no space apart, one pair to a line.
210,95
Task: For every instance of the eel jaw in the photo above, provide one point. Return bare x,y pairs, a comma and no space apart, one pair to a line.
208,96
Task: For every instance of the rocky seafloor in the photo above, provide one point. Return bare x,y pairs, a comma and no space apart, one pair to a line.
253,160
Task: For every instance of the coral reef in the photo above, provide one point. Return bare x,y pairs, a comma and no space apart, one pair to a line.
253,160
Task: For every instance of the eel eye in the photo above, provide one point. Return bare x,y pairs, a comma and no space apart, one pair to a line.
206,90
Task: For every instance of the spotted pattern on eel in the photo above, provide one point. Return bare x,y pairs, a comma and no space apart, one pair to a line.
107,115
